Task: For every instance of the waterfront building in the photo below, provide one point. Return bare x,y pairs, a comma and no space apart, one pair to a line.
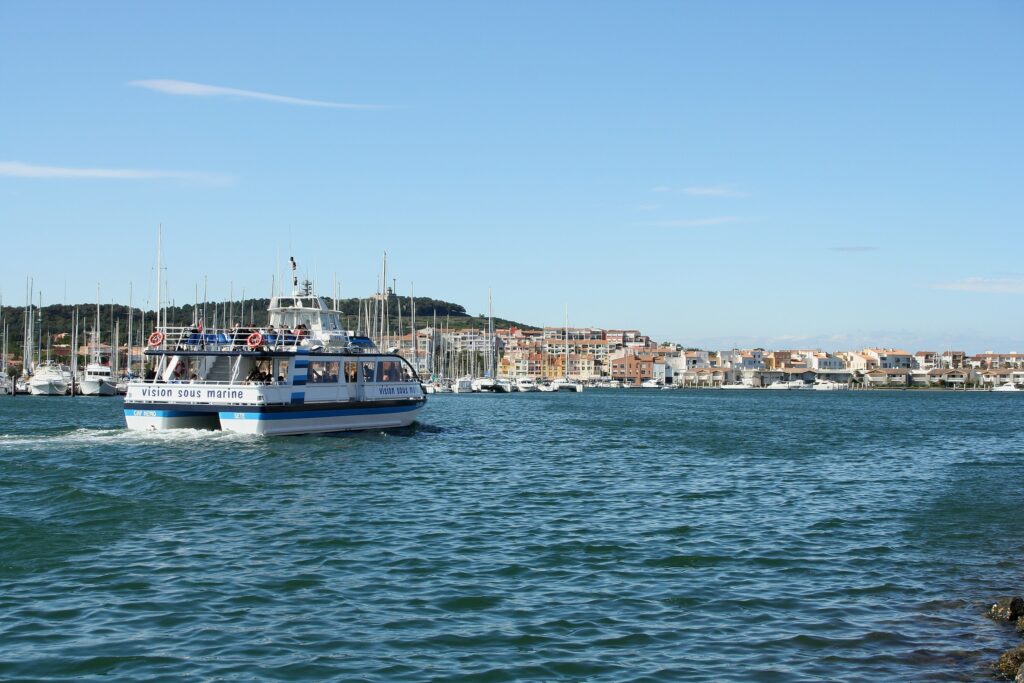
953,359
997,360
887,377
891,359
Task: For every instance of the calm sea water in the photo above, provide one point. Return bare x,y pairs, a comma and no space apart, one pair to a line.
603,536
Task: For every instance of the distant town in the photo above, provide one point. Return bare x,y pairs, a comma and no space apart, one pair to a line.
460,345
632,358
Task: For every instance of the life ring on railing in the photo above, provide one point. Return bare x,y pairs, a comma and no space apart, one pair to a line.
156,339
254,341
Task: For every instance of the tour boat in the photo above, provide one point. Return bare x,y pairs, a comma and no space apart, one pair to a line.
302,374
49,379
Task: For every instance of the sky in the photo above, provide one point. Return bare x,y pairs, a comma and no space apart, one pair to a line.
788,174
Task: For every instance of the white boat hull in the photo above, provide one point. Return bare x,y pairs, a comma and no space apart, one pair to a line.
47,387
316,421
97,387
249,420
146,420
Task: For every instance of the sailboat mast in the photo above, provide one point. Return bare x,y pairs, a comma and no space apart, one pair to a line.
94,348
159,301
131,318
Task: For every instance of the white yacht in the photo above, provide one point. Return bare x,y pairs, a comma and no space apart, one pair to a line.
562,384
482,384
651,384
97,381
303,374
1009,386
525,384
779,385
829,385
462,385
49,379
6,386
502,386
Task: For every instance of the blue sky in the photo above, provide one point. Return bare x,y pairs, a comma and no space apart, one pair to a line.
789,174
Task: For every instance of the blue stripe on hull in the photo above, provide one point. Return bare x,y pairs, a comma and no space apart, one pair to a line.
129,412
313,413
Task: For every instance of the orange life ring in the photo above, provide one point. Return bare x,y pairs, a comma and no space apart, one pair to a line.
255,340
156,339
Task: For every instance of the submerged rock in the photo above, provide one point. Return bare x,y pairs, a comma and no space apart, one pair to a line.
1020,624
1007,609
1009,664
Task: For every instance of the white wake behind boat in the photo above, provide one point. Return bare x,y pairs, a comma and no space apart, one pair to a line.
303,374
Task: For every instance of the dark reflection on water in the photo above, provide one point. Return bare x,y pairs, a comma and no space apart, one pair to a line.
609,535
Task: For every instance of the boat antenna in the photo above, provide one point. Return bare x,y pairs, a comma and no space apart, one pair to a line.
295,276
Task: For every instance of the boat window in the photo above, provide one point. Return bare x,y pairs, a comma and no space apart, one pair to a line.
389,371
369,368
331,368
282,369
351,371
323,372
260,372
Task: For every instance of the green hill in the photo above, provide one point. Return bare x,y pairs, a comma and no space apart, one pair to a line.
57,319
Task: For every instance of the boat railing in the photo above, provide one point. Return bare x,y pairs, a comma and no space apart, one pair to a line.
209,382
228,339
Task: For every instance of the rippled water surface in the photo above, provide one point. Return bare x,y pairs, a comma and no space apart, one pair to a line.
603,536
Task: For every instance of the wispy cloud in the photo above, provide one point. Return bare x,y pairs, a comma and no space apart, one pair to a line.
703,190
18,169
696,222
171,87
991,285
855,248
